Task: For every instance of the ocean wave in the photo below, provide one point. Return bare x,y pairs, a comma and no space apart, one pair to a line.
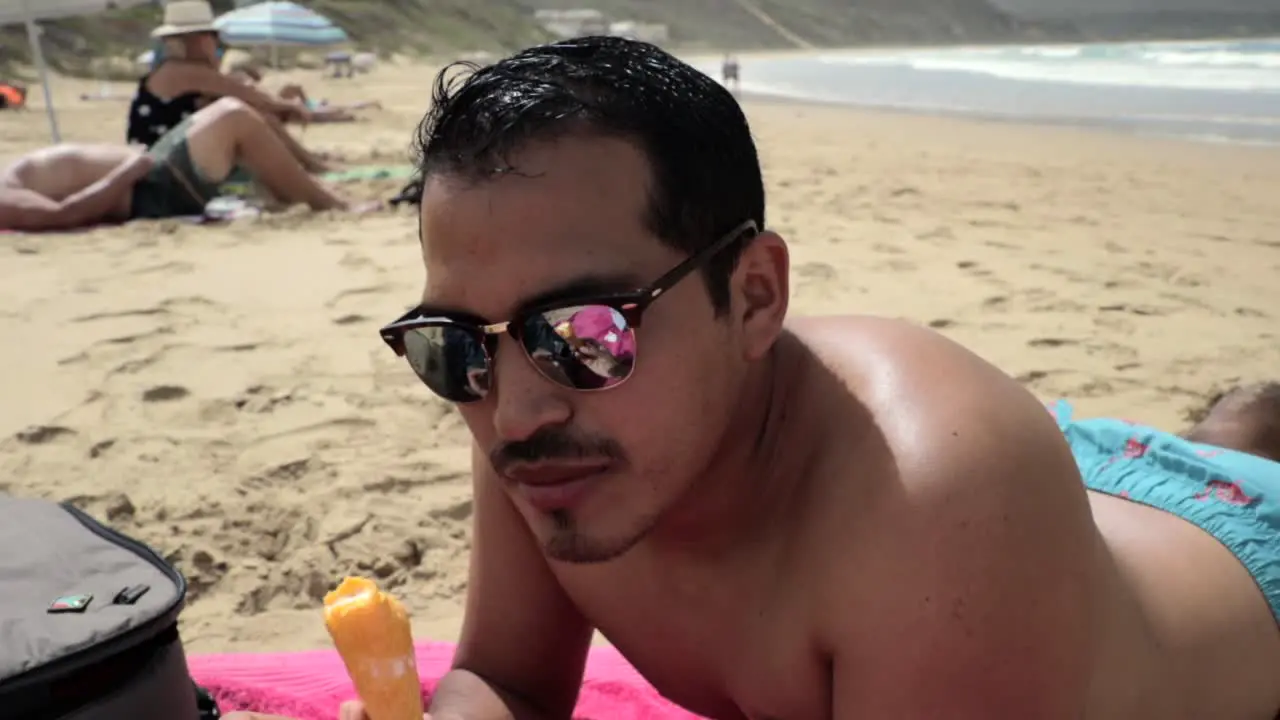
1189,66
1111,74
1215,59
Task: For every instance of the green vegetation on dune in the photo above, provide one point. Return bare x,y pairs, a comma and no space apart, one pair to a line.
440,27
78,46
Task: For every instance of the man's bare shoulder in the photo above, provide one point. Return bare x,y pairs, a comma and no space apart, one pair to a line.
948,421
930,397
967,538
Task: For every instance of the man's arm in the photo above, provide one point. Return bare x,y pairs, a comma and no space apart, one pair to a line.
212,83
524,644
96,202
991,608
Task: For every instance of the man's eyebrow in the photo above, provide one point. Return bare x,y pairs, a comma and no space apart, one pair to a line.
585,286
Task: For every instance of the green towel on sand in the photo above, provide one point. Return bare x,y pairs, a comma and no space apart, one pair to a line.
370,172
241,185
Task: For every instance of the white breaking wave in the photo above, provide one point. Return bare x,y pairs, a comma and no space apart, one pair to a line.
1192,66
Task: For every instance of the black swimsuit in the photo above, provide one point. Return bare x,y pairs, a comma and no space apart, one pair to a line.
150,117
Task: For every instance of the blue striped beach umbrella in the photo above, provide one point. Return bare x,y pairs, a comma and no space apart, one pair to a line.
275,24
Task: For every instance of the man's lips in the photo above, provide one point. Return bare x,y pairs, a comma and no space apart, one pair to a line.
548,474
554,487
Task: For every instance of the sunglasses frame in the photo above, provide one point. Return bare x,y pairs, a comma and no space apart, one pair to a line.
630,304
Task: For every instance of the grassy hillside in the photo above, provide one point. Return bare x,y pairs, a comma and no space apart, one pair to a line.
443,27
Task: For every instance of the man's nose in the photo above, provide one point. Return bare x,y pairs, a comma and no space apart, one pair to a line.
524,400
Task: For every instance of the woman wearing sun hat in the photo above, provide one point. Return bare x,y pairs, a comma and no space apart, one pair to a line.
185,76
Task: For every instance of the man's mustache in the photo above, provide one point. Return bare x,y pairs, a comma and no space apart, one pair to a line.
550,444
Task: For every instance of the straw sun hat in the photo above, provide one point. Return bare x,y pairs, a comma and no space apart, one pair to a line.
185,17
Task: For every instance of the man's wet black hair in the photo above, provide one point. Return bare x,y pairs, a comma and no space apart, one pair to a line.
705,171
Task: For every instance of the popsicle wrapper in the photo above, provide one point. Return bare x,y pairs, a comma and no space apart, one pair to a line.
371,631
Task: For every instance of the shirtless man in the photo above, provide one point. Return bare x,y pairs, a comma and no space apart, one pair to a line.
830,518
73,186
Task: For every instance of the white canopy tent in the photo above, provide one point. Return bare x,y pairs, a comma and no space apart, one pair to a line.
29,12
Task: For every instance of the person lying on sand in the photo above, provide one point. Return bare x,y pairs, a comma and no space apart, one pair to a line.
320,111
73,186
829,517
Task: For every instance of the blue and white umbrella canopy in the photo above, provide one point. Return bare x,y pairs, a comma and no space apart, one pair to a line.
277,24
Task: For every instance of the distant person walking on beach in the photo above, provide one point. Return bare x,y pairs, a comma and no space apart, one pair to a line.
730,71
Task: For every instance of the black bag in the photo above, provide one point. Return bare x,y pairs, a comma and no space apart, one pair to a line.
88,621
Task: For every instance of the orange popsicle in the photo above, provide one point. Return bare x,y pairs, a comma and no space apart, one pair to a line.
371,631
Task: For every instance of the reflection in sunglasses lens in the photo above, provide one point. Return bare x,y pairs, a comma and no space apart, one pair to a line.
585,347
450,360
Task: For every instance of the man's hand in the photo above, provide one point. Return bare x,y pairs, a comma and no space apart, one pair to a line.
353,710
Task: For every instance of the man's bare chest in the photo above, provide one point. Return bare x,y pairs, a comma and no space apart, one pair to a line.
749,659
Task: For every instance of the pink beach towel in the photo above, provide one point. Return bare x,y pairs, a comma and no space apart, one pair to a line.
311,685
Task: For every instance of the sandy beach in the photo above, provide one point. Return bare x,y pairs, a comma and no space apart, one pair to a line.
220,391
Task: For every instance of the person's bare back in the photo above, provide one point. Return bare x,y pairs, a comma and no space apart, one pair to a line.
70,186
60,171
74,186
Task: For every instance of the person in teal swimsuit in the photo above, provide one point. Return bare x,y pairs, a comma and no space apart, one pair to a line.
1222,475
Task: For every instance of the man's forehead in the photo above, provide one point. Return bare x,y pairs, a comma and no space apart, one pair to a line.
566,217
567,190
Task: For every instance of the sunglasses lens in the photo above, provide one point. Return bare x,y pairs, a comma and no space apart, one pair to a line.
584,347
450,360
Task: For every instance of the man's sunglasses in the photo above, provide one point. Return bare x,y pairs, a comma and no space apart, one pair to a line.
586,343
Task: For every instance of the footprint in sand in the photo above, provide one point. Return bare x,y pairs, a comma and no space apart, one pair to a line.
165,393
819,271
43,434
937,234
170,268
895,265
284,472
1032,376
140,312
974,269
100,448
356,292
115,507
1051,342
942,323
352,319
458,510
1148,310
355,260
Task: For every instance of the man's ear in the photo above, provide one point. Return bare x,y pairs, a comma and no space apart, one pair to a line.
761,286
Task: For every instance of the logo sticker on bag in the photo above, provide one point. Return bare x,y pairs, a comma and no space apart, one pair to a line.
71,604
